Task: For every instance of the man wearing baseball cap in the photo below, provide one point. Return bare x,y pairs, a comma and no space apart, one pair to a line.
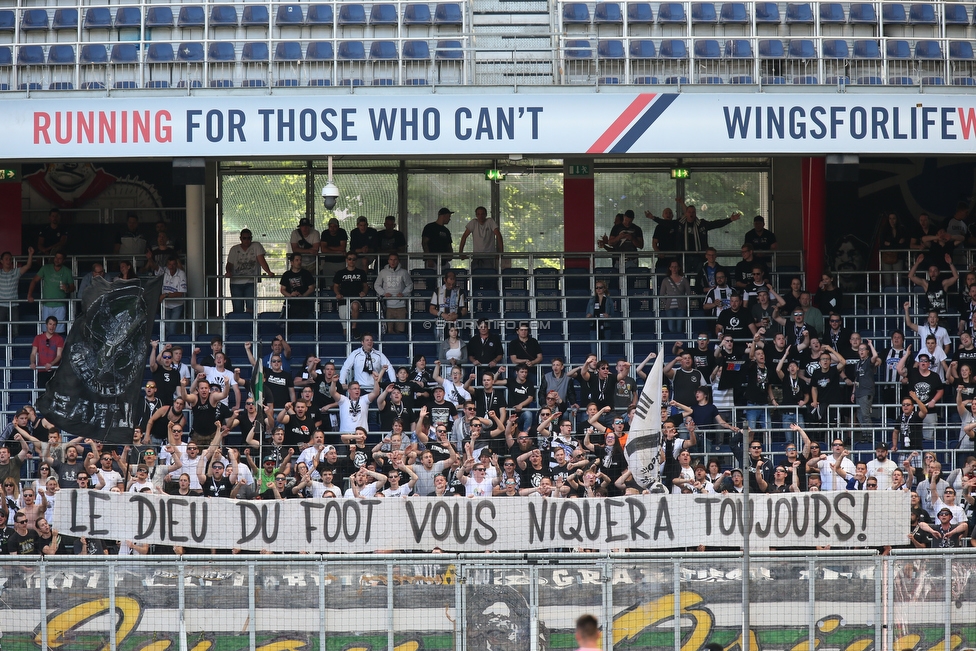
436,238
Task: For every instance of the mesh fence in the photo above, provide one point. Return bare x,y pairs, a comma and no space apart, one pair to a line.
411,603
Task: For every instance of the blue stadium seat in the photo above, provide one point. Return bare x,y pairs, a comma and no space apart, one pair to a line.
92,85
703,12
901,81
221,51
160,53
61,85
415,81
866,50
255,52
287,83
773,80
707,49
221,83
289,15
672,48
319,82
671,12
255,16
741,79
576,12
191,52
863,12
6,56
223,16
799,13
383,50
448,13
319,15
352,14
256,83
416,14
453,50
33,85
612,49
8,21
922,14
93,53
955,14
961,50
802,48
767,12
61,55
191,16
288,51
319,51
128,17
898,50
928,50
963,81
734,13
639,13
576,50
806,80
933,81
125,53
98,18
739,48
65,19
835,49
383,14
351,51
33,20
351,81
607,13
710,80
642,49
159,17
893,14
832,12
127,84
771,49
416,50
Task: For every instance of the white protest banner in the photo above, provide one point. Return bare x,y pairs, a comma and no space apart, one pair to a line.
842,519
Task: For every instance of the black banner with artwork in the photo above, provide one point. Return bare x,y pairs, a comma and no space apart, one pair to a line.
96,392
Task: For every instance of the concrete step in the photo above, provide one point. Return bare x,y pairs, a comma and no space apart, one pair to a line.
486,19
510,6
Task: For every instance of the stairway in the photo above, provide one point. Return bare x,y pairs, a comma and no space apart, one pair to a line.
513,42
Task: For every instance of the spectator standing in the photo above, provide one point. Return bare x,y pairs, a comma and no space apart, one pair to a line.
627,237
674,303
305,240
486,240
437,238
9,281
54,236
333,247
760,238
719,297
393,283
865,371
362,240
46,352
388,240
708,271
349,284
485,347
56,283
174,289
363,364
131,241
936,291
244,264
97,271
524,349
449,301
600,310
297,284
694,231
664,240
829,297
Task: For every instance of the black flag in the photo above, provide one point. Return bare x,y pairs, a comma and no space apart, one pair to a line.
95,392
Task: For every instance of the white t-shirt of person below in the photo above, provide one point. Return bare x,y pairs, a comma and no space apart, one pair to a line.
353,414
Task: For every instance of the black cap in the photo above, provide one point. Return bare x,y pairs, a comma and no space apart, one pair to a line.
444,211
304,222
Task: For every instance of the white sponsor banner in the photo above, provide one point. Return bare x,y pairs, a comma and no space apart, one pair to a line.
299,126
840,519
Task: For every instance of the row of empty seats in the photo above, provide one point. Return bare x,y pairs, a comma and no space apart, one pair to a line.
707,48
169,64
252,15
763,12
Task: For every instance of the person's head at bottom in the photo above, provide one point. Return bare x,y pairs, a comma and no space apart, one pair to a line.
588,632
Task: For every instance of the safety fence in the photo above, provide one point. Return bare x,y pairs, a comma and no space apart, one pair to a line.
847,600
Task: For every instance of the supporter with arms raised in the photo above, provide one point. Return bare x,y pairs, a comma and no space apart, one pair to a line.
209,413
936,291
927,386
931,328
795,391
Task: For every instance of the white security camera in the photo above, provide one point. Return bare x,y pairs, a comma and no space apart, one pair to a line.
330,194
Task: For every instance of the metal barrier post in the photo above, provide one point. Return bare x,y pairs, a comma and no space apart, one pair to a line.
322,622
42,576
676,591
251,606
112,633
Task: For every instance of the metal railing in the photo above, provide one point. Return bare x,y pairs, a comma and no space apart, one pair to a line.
529,602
